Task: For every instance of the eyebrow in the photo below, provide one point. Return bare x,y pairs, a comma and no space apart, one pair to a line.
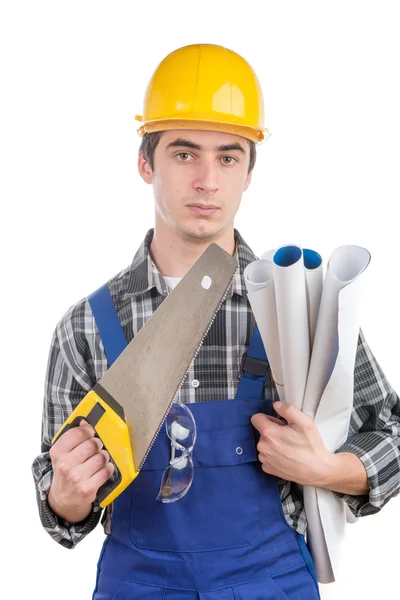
188,144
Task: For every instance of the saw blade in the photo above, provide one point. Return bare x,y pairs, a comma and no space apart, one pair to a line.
146,377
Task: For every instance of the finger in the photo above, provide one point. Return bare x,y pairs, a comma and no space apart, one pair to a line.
83,451
260,421
276,420
101,476
265,424
91,466
71,439
87,487
264,460
292,414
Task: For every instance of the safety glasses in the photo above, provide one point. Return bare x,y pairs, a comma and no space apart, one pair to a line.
178,476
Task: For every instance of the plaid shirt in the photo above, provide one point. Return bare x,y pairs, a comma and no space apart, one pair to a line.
77,361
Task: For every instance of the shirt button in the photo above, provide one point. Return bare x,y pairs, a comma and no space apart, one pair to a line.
195,383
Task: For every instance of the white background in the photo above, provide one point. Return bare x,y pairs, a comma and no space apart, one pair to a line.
74,209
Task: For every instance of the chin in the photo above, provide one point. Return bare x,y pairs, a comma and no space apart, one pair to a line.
207,232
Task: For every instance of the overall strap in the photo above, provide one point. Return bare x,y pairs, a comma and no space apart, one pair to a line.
254,365
108,323
254,370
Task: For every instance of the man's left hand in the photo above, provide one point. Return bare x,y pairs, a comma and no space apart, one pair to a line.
294,450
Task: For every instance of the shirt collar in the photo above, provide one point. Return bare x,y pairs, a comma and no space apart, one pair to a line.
144,274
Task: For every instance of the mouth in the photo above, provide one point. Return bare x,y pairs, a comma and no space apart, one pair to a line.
203,209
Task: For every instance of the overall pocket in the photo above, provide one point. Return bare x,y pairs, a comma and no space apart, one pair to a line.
222,508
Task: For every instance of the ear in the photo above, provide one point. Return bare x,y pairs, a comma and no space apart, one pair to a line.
144,169
248,180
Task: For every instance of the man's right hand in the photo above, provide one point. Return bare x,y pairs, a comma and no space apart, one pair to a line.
80,467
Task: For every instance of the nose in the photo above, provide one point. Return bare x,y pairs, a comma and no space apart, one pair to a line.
206,181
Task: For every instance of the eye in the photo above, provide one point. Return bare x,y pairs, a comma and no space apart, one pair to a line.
183,156
228,160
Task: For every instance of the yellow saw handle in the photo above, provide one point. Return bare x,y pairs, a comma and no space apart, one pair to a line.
113,430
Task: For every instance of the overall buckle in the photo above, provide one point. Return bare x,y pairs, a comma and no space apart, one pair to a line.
254,366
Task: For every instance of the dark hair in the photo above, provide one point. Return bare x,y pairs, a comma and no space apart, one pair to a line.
150,141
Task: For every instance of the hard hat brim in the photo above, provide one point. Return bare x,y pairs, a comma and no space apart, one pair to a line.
254,134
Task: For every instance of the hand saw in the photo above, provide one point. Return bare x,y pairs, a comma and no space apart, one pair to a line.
129,404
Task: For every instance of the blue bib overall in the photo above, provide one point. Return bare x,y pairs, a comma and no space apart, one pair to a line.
227,538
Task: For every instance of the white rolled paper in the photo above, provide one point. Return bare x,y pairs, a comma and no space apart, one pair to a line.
258,277
292,313
314,283
296,312
329,395
345,266
269,255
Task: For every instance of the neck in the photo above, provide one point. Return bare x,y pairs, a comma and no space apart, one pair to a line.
174,255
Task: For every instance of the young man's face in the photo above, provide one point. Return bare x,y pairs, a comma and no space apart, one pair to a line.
198,181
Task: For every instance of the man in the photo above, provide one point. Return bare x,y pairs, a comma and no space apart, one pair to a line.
239,531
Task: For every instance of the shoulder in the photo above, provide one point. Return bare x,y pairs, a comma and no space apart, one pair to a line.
79,316
77,335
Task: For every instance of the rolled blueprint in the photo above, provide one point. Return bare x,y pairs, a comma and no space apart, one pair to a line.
291,305
345,266
269,255
258,277
329,395
314,282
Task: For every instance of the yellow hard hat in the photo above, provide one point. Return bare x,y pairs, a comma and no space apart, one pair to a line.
204,86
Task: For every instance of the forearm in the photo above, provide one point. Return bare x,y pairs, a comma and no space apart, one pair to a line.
64,532
73,514
345,473
374,434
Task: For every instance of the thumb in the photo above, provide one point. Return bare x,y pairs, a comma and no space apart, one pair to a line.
292,414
